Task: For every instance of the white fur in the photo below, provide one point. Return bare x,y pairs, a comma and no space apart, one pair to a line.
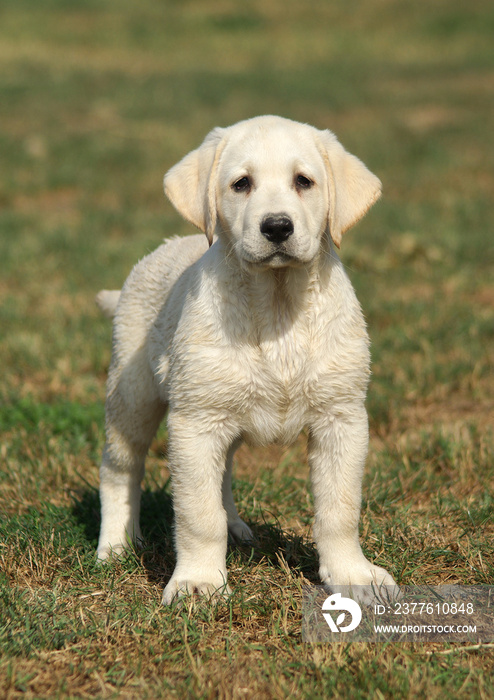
247,340
107,301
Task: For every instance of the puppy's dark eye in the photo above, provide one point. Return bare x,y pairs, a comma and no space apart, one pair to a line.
242,185
303,183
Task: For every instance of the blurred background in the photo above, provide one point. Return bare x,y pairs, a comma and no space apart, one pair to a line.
98,99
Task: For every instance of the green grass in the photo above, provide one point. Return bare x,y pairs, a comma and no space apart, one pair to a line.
97,100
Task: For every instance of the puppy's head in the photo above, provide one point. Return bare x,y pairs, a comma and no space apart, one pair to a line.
274,188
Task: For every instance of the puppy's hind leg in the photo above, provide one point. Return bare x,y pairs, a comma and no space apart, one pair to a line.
130,427
239,530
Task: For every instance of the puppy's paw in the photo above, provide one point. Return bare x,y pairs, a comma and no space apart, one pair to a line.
176,589
107,551
366,583
240,531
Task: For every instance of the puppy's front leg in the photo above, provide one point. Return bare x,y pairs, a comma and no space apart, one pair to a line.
337,452
197,463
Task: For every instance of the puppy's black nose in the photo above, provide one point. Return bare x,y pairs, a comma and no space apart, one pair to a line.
277,227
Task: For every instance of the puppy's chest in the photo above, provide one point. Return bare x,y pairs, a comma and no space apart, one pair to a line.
276,387
268,372
284,358
278,397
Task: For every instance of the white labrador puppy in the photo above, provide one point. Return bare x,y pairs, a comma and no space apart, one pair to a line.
252,339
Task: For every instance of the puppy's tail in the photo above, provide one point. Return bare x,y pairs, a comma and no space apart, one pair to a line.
107,301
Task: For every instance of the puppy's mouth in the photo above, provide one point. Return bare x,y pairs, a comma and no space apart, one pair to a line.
278,258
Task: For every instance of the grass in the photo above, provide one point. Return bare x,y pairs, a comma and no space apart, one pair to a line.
96,102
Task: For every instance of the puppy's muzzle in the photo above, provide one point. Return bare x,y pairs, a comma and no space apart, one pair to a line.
277,228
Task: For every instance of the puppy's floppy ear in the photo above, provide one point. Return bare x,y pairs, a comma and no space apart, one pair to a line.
191,184
353,189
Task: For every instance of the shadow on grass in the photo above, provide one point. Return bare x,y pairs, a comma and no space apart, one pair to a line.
271,541
158,556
